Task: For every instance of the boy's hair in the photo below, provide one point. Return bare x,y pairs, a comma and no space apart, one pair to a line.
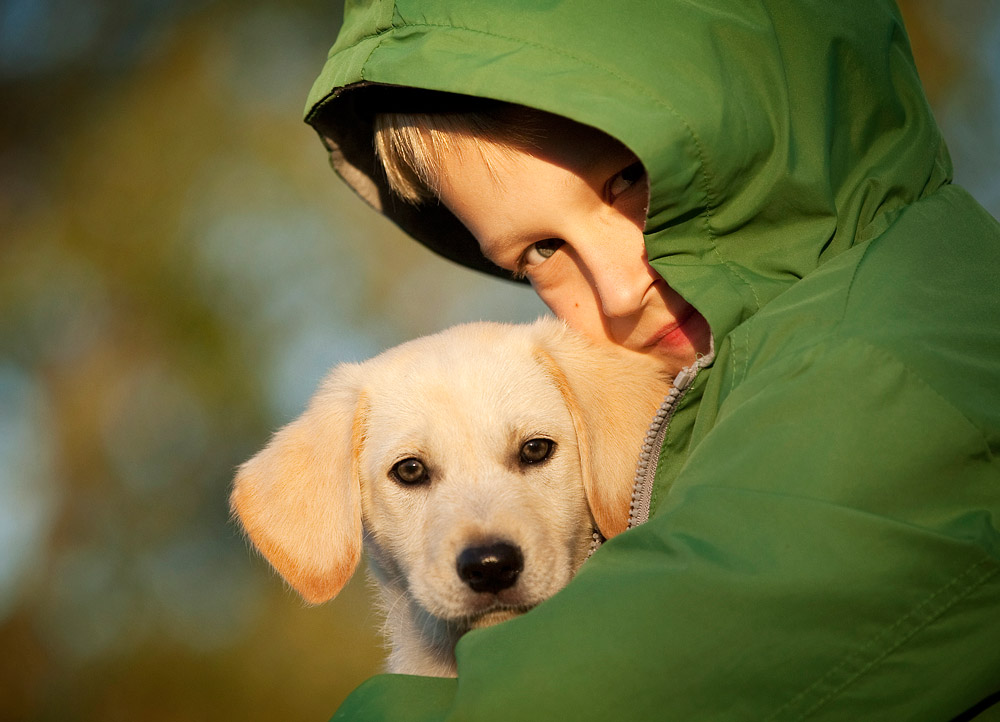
411,144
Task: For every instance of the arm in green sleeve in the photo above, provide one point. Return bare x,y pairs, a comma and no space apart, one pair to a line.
829,551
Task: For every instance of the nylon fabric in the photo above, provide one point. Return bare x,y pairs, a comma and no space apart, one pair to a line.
823,539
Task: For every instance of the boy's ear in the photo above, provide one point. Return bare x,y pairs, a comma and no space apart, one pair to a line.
299,499
612,396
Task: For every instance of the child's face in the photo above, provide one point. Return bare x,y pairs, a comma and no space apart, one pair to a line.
569,215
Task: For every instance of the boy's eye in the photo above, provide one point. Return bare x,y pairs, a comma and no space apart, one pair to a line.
625,179
538,252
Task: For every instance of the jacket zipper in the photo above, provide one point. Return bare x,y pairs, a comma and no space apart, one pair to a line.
649,455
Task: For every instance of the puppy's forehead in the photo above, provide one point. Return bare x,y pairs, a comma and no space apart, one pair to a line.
464,362
463,377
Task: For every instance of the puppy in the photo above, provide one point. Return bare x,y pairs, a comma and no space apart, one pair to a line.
475,467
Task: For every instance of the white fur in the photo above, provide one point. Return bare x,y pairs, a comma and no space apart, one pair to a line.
463,401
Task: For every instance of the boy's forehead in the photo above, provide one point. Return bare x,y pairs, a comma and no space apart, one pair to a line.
577,147
579,150
553,138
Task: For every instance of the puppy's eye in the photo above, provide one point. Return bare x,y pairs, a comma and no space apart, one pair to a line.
410,471
534,451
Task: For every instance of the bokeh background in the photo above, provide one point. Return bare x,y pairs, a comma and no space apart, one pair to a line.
178,267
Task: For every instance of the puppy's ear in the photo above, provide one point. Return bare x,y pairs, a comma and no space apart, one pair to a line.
299,499
612,396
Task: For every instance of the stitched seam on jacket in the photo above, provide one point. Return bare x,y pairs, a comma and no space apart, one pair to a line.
739,336
706,184
913,616
377,45
734,382
746,352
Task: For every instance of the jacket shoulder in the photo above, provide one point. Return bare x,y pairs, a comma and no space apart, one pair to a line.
924,293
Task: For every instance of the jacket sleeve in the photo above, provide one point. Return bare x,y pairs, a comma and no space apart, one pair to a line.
829,551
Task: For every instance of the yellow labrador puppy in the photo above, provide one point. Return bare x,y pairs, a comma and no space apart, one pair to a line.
475,466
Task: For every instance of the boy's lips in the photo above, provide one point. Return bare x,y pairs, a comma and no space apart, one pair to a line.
666,334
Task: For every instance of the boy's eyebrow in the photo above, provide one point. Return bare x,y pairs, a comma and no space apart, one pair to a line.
497,243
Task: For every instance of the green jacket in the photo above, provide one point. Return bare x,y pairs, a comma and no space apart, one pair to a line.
823,538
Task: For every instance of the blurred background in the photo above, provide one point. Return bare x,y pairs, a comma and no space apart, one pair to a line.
178,268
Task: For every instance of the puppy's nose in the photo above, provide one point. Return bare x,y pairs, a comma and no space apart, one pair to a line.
490,568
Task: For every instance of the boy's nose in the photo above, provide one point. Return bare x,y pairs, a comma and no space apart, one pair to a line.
621,280
620,296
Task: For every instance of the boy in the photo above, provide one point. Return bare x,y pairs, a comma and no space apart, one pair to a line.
579,241
757,193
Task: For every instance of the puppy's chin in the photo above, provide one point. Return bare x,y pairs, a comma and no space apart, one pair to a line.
495,616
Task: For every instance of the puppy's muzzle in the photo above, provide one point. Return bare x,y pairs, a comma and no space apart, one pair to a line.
491,568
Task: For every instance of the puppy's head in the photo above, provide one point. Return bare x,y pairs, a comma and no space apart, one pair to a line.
471,482
473,457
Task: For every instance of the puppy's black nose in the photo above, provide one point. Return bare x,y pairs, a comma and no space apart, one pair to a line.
490,568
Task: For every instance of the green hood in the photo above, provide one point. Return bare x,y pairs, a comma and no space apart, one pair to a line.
763,163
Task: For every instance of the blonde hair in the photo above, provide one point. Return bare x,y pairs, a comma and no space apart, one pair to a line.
411,146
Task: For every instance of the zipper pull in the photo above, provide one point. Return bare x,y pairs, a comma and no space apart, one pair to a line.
684,377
